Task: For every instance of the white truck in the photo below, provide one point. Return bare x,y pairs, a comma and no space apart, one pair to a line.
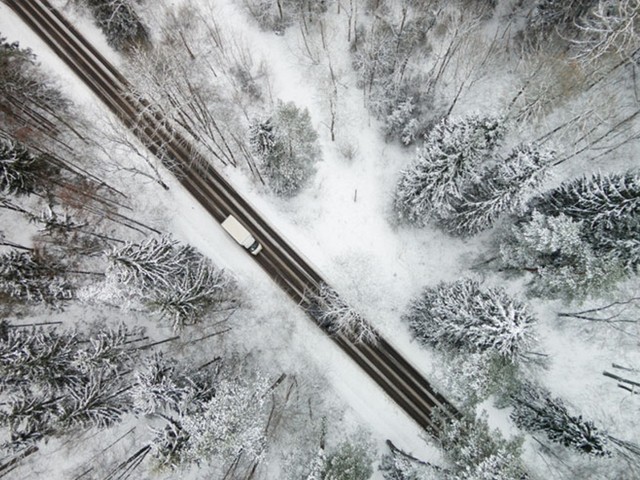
241,235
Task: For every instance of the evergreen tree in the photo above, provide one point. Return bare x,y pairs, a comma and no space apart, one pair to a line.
34,278
98,401
500,189
475,452
563,264
152,264
397,465
156,387
54,382
609,207
350,461
536,410
119,22
106,349
29,416
41,357
193,293
287,146
465,317
318,466
449,160
228,425
21,173
25,93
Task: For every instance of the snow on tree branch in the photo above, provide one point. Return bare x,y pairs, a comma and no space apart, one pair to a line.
334,314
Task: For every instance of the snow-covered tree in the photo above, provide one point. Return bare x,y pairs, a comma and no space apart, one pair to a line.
536,410
193,293
156,387
608,205
229,425
98,401
349,461
550,15
318,466
29,416
463,316
449,160
334,314
287,146
169,278
280,14
34,278
475,452
54,382
399,465
25,92
38,357
501,189
563,264
151,264
105,349
609,27
21,173
169,445
119,22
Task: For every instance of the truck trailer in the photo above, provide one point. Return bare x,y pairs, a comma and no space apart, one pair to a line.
241,235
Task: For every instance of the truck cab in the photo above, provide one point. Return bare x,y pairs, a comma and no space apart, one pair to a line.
241,235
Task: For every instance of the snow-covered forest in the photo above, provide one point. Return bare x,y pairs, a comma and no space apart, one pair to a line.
464,173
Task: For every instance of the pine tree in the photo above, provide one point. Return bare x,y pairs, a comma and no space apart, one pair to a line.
462,316
318,466
449,160
501,189
169,445
107,349
34,278
536,410
287,146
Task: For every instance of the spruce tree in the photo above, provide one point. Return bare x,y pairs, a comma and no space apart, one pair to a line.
21,173
120,23
38,356
609,207
451,157
536,410
501,189
34,278
350,461
152,264
464,317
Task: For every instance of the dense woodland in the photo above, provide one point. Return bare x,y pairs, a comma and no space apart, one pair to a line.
520,119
